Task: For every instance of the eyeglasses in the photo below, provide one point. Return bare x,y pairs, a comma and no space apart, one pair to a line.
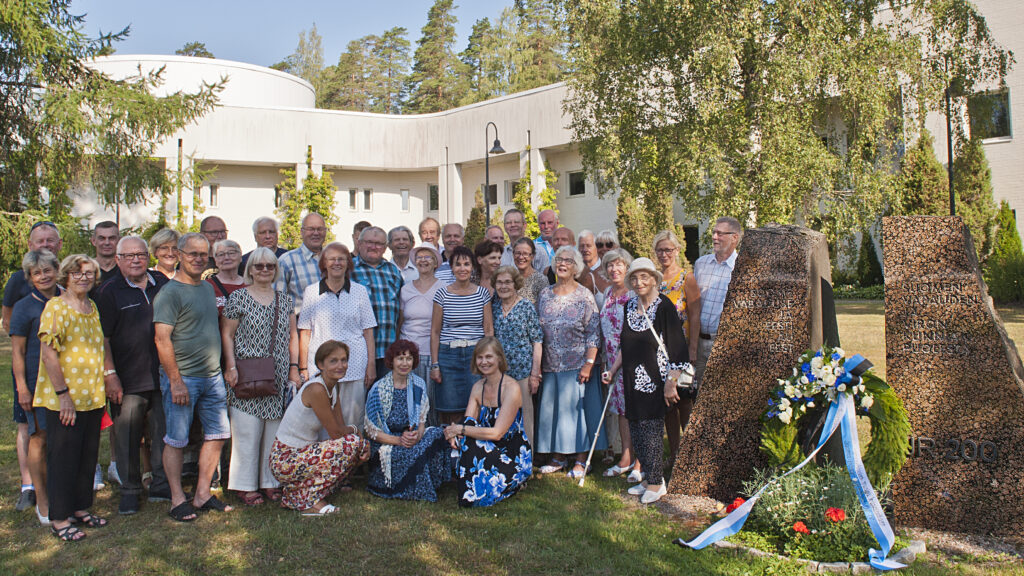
722,233
564,261
227,253
217,233
263,266
167,249
195,255
604,244
339,260
320,230
80,275
663,251
134,256
371,243
504,283
523,254
425,258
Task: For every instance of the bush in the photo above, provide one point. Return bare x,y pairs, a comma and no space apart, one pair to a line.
858,292
1005,268
869,271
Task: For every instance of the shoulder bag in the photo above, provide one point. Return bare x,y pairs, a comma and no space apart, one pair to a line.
257,377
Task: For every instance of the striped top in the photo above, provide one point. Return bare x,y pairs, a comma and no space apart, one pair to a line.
463,317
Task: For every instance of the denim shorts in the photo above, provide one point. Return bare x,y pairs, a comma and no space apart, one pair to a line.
37,420
452,394
206,396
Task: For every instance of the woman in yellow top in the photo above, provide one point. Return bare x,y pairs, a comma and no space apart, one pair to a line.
70,388
680,286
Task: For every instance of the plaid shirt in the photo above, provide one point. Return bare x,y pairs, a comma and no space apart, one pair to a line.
384,283
713,280
299,268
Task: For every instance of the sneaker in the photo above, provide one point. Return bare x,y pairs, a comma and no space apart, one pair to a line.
129,504
652,496
112,475
637,490
97,480
26,500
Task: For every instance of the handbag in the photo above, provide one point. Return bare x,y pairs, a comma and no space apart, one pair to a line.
257,377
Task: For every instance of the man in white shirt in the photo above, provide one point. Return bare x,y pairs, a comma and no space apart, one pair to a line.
713,273
400,242
452,235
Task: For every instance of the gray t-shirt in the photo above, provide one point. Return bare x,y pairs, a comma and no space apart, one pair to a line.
192,311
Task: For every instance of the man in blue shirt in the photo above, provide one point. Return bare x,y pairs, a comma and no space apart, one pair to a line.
547,221
43,236
383,280
301,267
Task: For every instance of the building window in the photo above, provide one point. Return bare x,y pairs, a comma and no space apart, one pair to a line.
214,193
352,200
434,202
989,113
492,193
405,200
511,187
577,184
367,199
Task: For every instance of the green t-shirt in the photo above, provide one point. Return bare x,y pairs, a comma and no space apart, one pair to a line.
192,312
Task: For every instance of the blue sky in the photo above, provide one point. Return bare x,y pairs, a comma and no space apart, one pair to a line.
265,31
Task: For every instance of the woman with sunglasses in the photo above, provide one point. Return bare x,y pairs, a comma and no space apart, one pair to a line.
248,331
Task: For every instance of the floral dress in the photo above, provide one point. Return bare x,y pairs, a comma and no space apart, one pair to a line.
489,472
611,329
675,290
532,285
517,331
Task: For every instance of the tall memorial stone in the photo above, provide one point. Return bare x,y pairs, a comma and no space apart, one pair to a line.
960,378
772,313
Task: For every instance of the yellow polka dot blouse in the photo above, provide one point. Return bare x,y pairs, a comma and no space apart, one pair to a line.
78,340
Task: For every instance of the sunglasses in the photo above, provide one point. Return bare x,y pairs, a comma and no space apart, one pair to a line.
42,223
600,245
262,266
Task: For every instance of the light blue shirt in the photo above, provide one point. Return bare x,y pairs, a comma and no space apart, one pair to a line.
713,279
299,268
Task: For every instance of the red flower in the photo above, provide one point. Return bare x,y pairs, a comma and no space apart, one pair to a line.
835,514
801,528
735,504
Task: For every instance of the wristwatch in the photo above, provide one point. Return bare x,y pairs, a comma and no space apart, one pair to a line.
109,372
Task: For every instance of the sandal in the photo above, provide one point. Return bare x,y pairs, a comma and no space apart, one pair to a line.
577,474
69,533
214,503
182,511
90,520
323,511
617,470
272,494
251,498
556,465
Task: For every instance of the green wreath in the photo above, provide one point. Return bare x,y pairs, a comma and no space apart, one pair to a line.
816,381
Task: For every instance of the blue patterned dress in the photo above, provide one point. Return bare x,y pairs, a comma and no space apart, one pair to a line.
489,472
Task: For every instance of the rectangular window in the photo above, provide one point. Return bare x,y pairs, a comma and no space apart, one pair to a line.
434,202
405,200
511,186
367,199
989,113
214,193
352,201
577,183
492,194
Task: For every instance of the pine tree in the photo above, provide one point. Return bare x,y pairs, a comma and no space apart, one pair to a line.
197,49
922,184
435,83
476,225
307,62
346,85
540,54
1007,240
318,194
972,185
390,71
869,271
1004,272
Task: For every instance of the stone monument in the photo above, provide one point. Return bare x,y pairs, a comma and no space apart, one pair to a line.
772,314
960,378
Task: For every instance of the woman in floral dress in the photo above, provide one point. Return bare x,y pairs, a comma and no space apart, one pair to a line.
495,458
517,328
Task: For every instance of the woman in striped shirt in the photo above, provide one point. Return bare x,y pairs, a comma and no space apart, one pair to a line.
462,316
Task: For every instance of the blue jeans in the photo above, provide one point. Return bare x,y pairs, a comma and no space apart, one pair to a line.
206,396
457,379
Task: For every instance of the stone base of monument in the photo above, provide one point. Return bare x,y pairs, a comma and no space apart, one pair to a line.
960,377
771,315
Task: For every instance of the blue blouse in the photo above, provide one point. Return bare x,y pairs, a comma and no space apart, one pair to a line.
517,332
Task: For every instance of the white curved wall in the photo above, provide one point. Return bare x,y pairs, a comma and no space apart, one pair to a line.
248,85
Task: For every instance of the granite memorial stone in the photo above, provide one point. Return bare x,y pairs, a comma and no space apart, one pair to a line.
960,377
772,314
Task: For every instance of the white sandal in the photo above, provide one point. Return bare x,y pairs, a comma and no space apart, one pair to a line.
555,466
44,520
636,476
323,511
617,471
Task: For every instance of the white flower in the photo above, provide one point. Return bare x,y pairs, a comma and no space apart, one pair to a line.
818,372
816,362
840,351
804,380
841,387
810,404
785,416
783,382
866,402
796,372
784,404
838,371
829,378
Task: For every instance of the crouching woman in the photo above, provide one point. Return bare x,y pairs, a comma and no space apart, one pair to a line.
309,470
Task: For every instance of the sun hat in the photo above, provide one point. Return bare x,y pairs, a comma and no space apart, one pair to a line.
431,248
644,265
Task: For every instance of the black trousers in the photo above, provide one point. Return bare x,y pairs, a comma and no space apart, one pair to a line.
647,444
130,418
71,454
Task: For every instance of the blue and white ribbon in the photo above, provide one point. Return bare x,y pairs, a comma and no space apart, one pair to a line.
841,414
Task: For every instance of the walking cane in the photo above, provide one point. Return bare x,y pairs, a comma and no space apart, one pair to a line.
593,444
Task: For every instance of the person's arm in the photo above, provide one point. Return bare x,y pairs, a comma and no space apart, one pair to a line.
316,397
7,311
228,327
692,313
511,402
371,368
51,360
165,352
303,354
435,341
538,352
608,376
592,337
19,349
453,431
670,328
111,381
293,351
488,319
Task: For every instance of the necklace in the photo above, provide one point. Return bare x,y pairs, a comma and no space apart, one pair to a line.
506,309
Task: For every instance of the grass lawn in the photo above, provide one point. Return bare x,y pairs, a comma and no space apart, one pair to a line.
551,527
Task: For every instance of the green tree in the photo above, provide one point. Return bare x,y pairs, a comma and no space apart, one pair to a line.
346,84
436,80
523,194
972,186
642,211
1004,272
476,225
1007,239
63,123
197,49
759,109
922,185
540,45
307,62
318,194
869,271
390,58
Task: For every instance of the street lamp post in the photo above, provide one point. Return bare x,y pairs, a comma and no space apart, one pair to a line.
496,149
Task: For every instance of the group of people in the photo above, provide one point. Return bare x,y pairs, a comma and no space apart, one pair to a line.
441,363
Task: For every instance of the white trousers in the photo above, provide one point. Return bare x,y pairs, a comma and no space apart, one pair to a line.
251,441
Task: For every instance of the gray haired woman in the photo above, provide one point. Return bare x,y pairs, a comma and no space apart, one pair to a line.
164,248
227,254
248,330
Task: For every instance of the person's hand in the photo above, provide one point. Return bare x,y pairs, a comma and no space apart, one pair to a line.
584,376
534,383
25,398
410,438
179,393
671,393
303,375
231,376
371,375
435,375
451,432
115,392
364,451
606,378
293,374
67,410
